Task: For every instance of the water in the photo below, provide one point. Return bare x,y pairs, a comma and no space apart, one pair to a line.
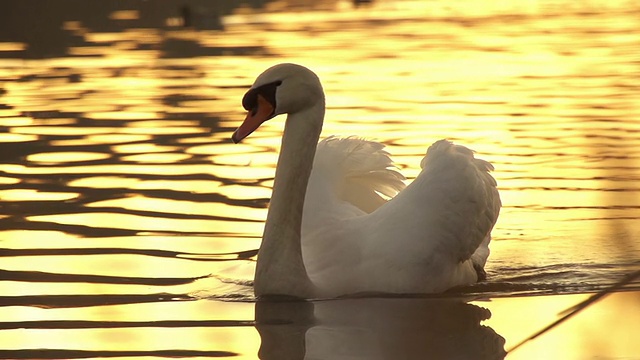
129,221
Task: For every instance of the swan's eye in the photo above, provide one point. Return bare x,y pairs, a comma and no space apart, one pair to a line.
268,91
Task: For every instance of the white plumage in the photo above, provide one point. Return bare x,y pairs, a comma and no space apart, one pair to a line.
421,241
352,171
431,235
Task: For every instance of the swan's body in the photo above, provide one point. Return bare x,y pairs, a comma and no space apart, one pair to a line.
329,232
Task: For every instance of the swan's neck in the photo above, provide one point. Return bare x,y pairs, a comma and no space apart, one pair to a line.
280,269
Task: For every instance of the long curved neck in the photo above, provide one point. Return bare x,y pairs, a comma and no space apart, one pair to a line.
280,269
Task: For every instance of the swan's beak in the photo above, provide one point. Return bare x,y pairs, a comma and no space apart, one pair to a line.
255,117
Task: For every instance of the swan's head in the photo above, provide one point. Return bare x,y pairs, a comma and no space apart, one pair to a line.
281,89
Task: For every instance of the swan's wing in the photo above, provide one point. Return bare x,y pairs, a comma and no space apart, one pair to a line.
350,177
464,200
369,176
357,171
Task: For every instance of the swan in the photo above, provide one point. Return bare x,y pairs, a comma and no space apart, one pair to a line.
330,230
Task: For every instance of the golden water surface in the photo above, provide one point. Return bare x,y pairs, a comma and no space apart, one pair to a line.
129,221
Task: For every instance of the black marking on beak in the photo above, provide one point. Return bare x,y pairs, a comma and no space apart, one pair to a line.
268,91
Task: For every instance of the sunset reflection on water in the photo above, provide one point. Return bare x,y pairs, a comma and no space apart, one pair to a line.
124,202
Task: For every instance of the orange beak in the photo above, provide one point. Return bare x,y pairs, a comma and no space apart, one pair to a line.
254,119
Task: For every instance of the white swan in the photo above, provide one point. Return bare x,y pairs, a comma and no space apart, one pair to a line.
343,237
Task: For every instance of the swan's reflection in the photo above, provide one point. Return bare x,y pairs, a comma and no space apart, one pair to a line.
376,328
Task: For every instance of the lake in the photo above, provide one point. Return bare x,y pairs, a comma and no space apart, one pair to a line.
129,221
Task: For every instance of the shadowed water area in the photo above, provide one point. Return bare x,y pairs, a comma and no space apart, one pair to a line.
129,222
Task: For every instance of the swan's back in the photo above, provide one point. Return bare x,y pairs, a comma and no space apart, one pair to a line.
433,235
